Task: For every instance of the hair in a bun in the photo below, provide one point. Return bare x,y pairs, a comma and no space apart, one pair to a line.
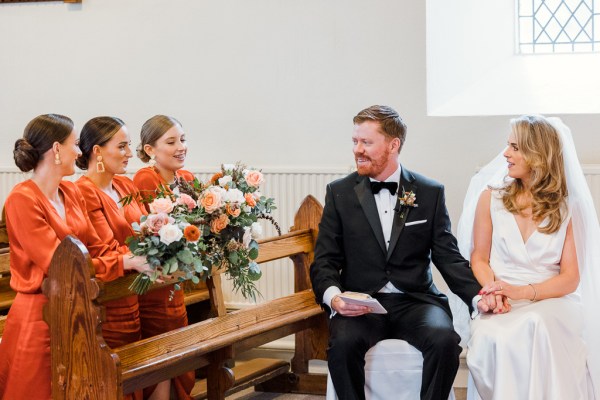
152,130
26,157
39,136
97,131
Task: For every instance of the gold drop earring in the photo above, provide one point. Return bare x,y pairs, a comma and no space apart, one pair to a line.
57,159
99,165
152,160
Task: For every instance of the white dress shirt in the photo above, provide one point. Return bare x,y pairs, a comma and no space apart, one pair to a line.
386,202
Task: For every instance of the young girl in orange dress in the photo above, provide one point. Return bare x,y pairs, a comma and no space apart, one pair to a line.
163,145
40,212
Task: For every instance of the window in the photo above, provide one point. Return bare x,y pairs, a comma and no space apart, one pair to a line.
558,26
475,67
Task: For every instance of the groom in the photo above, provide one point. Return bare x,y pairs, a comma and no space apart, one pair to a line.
381,228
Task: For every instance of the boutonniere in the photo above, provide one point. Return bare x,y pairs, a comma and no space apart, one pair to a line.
407,200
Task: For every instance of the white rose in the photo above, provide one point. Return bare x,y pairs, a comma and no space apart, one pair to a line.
225,180
256,230
234,196
170,233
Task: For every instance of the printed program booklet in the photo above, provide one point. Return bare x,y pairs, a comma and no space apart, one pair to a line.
363,299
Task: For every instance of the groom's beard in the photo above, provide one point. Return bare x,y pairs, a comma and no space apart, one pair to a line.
371,167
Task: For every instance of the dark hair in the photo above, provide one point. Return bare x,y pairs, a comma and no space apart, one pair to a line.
152,130
39,136
97,131
390,122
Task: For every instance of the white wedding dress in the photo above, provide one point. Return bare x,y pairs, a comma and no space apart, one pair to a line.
536,351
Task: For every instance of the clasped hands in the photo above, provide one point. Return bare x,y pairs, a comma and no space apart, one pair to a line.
494,297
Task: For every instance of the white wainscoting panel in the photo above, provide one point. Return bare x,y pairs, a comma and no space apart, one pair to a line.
288,186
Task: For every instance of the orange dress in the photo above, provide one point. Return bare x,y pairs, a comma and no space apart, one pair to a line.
157,313
113,225
35,230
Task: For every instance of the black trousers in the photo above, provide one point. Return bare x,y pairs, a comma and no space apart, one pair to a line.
425,326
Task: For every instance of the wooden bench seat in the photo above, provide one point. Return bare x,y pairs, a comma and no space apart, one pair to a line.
84,367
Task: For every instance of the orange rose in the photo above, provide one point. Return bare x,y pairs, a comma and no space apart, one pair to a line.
218,224
211,200
250,199
191,233
216,177
233,209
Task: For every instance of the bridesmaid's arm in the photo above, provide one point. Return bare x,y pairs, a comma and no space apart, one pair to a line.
110,259
28,220
482,240
97,217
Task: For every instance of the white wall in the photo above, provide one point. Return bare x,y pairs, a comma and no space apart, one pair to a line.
274,83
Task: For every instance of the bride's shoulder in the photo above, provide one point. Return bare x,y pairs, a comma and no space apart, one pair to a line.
491,196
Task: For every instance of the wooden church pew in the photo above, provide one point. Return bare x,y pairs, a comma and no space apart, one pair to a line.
83,366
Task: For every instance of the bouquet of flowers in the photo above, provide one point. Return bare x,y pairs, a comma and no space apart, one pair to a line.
200,226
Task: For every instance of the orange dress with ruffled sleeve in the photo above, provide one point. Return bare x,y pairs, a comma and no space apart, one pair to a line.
35,230
159,314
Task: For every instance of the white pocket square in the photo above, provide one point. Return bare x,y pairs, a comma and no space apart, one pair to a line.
421,221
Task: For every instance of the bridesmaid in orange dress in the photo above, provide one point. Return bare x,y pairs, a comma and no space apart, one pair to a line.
40,212
104,143
163,145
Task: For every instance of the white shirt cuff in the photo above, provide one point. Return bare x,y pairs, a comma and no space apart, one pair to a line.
475,309
328,296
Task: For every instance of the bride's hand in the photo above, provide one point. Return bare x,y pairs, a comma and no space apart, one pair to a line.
497,296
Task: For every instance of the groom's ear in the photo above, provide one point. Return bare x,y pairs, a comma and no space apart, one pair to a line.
395,145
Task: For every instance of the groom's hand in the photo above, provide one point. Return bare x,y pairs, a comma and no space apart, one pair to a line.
493,303
348,310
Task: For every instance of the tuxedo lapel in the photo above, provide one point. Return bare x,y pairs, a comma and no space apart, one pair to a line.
367,202
407,185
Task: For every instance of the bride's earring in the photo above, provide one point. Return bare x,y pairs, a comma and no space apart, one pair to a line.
99,165
152,160
57,159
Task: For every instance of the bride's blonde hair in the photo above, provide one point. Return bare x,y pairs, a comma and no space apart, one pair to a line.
540,145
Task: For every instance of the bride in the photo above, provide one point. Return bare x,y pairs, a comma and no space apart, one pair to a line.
535,241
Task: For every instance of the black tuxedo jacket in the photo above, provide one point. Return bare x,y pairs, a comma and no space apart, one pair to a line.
351,254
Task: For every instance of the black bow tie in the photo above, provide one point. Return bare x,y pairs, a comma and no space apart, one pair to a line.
377,186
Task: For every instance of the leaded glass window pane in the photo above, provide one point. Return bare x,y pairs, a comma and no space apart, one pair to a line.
558,26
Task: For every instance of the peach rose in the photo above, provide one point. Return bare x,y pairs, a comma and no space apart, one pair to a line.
161,205
254,178
211,200
233,209
218,224
250,200
187,200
